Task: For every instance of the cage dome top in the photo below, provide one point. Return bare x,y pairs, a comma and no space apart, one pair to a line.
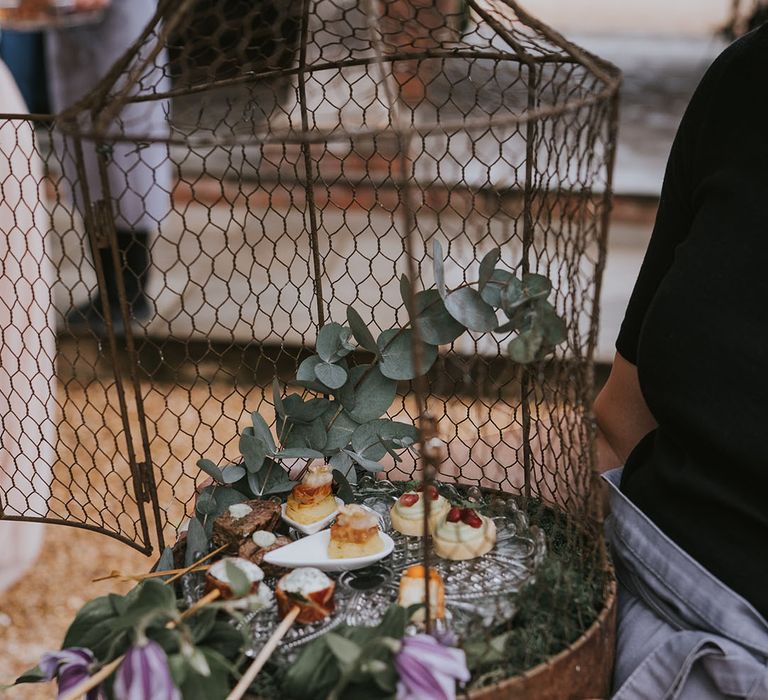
240,71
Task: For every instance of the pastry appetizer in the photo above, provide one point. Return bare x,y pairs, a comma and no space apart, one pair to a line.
217,577
260,543
355,533
310,590
463,534
407,514
412,592
312,500
241,520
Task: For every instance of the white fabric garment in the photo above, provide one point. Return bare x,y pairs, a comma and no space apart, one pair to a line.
27,343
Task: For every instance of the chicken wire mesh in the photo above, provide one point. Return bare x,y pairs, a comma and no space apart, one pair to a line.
244,173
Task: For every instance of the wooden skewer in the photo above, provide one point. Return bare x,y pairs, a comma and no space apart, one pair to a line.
142,577
106,671
266,651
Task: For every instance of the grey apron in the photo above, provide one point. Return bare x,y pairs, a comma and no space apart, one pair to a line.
682,634
77,59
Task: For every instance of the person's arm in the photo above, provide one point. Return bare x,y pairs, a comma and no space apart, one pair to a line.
622,416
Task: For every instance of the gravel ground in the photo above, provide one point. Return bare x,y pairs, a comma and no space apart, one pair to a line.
35,613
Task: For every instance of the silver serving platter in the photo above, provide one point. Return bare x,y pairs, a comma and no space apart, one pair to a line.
478,591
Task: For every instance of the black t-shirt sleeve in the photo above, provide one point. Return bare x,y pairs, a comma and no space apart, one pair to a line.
676,207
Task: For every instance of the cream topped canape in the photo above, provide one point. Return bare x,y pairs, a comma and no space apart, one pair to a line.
407,514
463,534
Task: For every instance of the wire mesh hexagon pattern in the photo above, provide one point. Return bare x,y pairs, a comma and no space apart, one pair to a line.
242,174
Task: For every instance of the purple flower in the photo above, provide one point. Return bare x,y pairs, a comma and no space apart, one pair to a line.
144,675
428,669
71,667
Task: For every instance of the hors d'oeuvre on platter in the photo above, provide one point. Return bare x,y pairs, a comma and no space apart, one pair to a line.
310,590
258,545
412,592
355,533
311,505
241,520
218,576
463,533
407,514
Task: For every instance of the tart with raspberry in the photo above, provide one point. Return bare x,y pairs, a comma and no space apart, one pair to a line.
407,514
462,533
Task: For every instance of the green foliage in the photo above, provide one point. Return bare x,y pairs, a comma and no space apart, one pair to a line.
344,422
349,663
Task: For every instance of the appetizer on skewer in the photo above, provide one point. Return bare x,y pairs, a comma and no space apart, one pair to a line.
355,533
308,589
312,500
241,520
412,592
462,533
407,514
218,578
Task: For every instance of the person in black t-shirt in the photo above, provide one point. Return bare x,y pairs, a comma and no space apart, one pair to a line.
685,408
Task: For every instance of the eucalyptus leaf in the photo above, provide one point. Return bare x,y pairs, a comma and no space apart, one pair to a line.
301,411
536,286
233,473
238,581
254,451
206,503
436,325
277,399
94,613
487,265
368,393
372,438
524,349
165,562
405,290
369,465
197,542
210,469
396,349
343,484
262,430
552,325
437,265
331,375
33,675
340,431
512,296
360,331
466,305
298,453
333,342
491,292
311,435
271,479
341,462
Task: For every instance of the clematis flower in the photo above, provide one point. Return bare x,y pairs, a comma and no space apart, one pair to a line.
144,674
70,667
429,669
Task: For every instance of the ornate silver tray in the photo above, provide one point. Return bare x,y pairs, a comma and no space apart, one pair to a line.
477,591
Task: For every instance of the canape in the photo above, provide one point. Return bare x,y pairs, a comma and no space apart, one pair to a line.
462,533
312,500
310,590
407,514
412,592
355,533
241,520
217,577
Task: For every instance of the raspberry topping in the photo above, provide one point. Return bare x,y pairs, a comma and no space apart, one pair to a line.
469,517
454,515
408,499
432,490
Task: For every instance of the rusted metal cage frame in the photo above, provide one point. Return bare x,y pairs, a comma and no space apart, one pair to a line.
98,220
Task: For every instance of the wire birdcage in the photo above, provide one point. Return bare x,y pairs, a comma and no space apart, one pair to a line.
295,159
